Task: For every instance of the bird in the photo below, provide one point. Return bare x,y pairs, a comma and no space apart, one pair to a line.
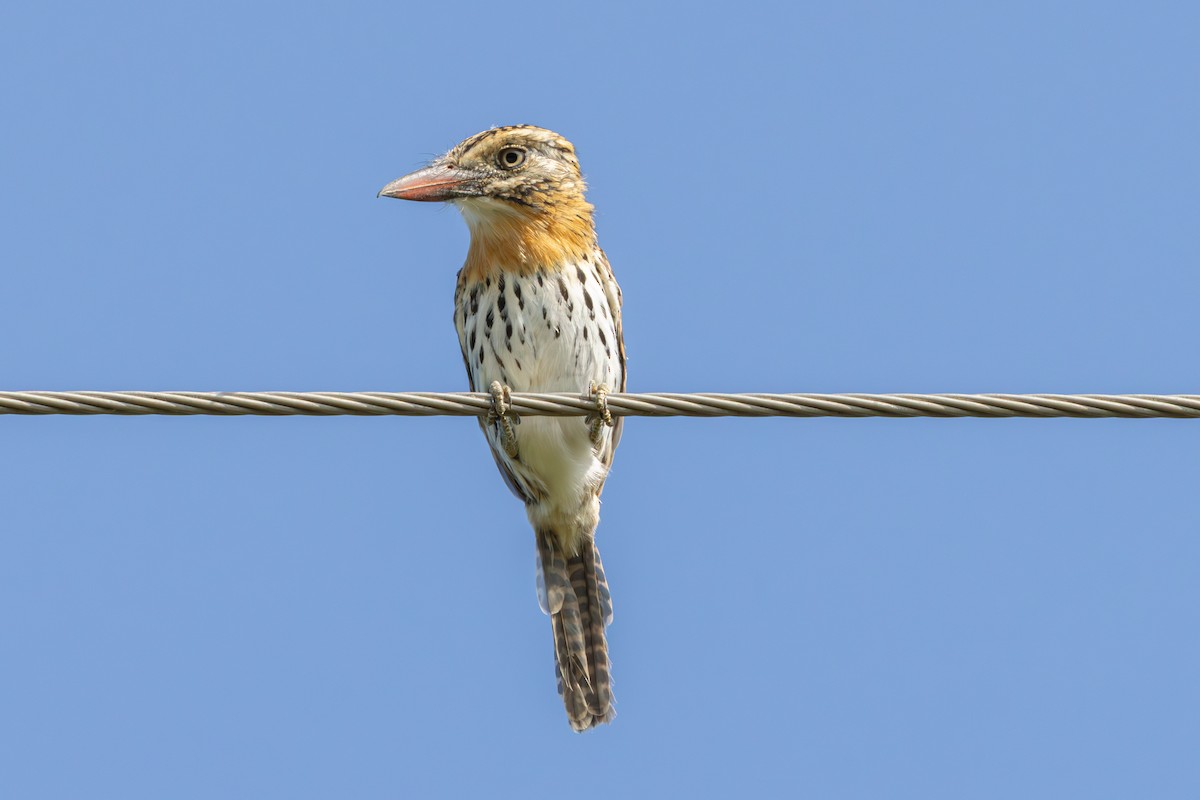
538,309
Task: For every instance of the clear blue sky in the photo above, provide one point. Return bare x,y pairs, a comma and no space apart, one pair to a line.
795,197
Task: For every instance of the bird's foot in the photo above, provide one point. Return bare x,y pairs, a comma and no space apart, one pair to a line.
597,422
501,412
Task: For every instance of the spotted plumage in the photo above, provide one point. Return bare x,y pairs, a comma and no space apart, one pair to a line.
537,309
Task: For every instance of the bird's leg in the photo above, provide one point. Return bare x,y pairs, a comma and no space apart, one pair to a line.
501,412
603,417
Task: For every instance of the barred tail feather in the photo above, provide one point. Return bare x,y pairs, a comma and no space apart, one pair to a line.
577,598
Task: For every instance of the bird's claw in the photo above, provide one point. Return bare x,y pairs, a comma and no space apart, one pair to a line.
602,418
501,411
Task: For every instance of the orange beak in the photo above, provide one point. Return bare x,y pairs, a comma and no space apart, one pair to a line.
436,182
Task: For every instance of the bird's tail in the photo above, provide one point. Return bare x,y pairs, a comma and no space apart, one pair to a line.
574,592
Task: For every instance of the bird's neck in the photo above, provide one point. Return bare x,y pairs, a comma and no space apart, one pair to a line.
509,238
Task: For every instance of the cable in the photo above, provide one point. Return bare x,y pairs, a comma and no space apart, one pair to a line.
477,404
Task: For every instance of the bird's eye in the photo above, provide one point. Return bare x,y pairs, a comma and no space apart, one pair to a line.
511,157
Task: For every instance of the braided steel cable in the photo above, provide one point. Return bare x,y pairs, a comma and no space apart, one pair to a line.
476,404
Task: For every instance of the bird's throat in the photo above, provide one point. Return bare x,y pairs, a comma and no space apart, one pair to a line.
510,238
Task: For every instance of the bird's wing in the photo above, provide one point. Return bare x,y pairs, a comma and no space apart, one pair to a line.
460,325
612,292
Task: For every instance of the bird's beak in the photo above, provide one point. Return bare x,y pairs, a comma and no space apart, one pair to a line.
439,181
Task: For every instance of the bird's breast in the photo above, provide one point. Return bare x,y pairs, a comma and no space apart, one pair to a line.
551,330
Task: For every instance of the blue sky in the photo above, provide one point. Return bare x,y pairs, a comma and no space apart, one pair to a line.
795,197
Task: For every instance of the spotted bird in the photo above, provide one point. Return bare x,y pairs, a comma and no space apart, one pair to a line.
537,309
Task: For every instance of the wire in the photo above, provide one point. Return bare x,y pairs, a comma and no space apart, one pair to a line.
478,404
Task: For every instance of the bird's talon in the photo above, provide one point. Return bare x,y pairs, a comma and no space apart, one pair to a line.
603,417
501,412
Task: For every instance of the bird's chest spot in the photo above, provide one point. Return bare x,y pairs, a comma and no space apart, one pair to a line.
546,331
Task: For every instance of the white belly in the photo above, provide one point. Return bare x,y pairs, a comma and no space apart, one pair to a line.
544,333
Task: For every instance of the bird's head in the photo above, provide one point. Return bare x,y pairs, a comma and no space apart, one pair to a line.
521,166
520,190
